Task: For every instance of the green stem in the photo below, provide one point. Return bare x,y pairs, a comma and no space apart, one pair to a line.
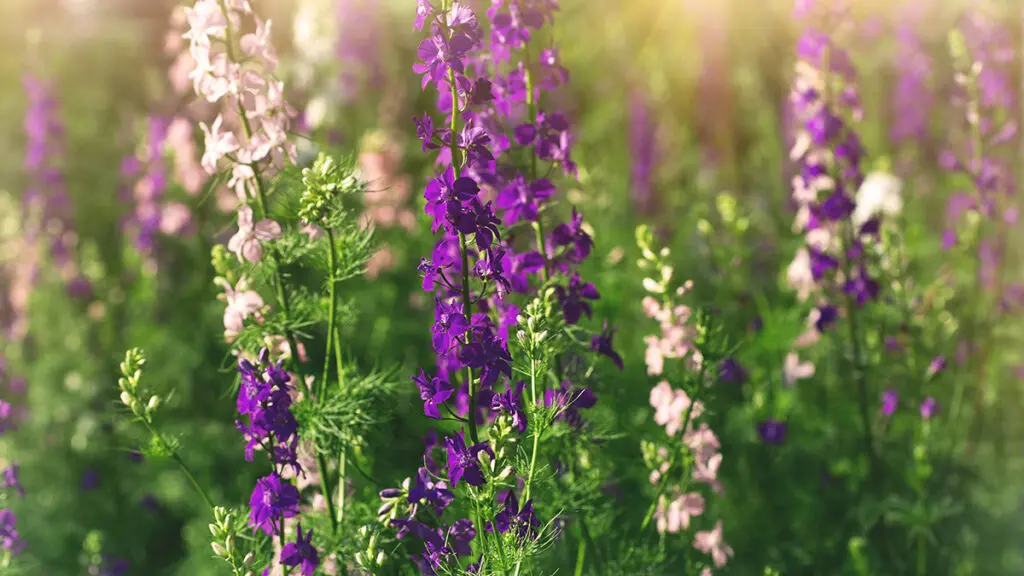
331,315
281,293
581,557
181,464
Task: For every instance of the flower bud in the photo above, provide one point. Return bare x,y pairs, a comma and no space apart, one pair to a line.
385,508
389,493
153,403
126,399
380,558
214,530
505,473
218,549
249,559
229,543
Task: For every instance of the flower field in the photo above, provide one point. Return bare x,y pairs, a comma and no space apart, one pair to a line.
511,288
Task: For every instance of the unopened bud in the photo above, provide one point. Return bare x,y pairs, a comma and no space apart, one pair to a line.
389,493
153,403
126,399
218,549
214,530
249,559
380,558
505,473
229,543
385,508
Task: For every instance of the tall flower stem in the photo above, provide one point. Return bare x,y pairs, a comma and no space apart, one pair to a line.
281,293
536,444
181,464
531,103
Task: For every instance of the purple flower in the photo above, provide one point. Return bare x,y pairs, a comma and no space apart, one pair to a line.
9,538
573,298
463,461
9,478
511,403
936,366
602,344
572,236
569,400
827,316
523,522
450,324
730,371
301,552
272,500
432,391
890,400
772,431
434,493
862,287
90,479
445,195
928,408
521,201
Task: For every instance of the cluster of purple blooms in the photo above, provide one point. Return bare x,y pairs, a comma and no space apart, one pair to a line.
46,202
265,399
989,46
829,154
10,540
495,95
151,172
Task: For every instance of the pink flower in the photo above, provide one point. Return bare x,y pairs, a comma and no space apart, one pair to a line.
794,369
707,472
681,510
218,145
242,303
204,20
246,242
711,542
175,218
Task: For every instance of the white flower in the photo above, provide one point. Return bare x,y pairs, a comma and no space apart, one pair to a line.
880,194
246,242
218,144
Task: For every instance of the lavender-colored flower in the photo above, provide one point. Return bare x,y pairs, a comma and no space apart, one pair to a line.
272,500
450,324
936,366
9,478
569,400
572,236
928,408
301,552
890,400
521,200
10,540
435,493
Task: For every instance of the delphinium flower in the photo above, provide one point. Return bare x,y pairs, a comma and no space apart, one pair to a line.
836,267
680,410
643,147
913,97
150,186
46,203
980,219
264,403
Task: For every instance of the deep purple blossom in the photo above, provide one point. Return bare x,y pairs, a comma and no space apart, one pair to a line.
511,402
602,344
573,298
572,236
569,400
445,196
521,200
450,324
772,431
463,461
435,493
730,371
272,500
522,521
433,391
301,552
